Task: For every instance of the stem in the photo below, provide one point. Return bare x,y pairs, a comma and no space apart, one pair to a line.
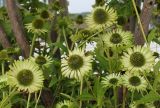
65,39
141,93
132,97
56,47
124,97
3,74
29,97
116,58
58,87
33,42
38,98
115,96
88,38
139,20
35,96
81,89
3,68
109,61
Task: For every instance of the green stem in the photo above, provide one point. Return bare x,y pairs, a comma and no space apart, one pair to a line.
139,20
32,46
132,96
35,96
81,89
3,74
124,97
109,61
56,47
28,102
65,39
38,98
3,68
115,96
141,93
89,38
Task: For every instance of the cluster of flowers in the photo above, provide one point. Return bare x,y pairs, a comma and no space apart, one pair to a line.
136,61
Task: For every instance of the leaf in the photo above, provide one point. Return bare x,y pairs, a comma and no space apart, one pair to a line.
103,62
157,67
67,96
152,96
157,74
151,35
53,81
59,45
99,92
115,64
86,96
156,81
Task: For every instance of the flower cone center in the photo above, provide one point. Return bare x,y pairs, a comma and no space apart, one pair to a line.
25,77
141,106
44,14
113,81
116,38
137,59
75,62
100,16
38,23
65,106
135,81
40,60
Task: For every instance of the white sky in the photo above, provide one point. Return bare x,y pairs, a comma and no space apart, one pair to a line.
78,6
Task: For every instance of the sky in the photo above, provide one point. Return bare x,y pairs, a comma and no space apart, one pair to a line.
79,6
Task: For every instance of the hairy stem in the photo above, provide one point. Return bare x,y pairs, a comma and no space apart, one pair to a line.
81,89
28,101
115,96
37,100
65,39
124,97
139,20
32,46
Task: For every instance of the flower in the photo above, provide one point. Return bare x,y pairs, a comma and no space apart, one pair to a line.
79,19
66,104
142,105
76,65
36,27
26,76
42,60
117,38
112,80
138,59
101,17
45,14
134,82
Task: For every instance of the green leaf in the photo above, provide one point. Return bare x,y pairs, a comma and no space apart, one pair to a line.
152,96
103,62
99,92
59,45
67,96
115,64
86,96
157,67
156,81
151,35
54,80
